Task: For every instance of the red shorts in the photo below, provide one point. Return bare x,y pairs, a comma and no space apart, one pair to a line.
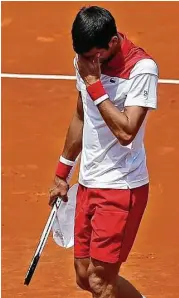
107,221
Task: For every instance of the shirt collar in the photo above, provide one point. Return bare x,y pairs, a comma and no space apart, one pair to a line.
123,52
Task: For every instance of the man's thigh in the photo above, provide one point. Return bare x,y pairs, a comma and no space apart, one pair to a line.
107,221
115,223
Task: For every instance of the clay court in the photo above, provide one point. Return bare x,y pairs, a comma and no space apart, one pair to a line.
35,116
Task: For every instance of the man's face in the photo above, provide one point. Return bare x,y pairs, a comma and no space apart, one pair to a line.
104,54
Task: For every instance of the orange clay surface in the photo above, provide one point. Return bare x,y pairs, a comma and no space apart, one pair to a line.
35,116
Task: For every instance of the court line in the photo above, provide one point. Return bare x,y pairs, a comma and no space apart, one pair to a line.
37,76
64,77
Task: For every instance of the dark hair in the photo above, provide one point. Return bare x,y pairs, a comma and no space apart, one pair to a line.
93,27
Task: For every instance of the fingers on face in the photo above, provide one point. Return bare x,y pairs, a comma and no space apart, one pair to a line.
80,62
96,58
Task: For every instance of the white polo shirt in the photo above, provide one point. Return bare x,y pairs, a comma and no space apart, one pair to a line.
130,79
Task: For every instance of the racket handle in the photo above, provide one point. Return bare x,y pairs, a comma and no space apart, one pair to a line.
31,270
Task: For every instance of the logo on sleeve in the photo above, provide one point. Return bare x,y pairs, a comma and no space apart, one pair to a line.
145,93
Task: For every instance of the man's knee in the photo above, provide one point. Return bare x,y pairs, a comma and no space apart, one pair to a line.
102,278
81,267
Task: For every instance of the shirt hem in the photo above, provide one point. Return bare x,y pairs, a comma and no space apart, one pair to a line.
114,185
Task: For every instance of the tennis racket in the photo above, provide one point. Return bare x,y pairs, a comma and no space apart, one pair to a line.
45,233
42,242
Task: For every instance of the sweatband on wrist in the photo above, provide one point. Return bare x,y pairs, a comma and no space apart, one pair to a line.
97,92
64,167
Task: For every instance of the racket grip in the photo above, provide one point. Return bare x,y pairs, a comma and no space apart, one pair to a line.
31,270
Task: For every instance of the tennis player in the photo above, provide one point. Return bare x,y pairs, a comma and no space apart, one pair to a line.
117,87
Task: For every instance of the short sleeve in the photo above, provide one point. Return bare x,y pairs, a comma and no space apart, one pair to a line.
143,81
142,91
77,76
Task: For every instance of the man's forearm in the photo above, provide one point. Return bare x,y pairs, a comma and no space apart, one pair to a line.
73,142
117,121
124,125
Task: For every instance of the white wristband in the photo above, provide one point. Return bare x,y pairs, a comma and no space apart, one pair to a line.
66,161
100,99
